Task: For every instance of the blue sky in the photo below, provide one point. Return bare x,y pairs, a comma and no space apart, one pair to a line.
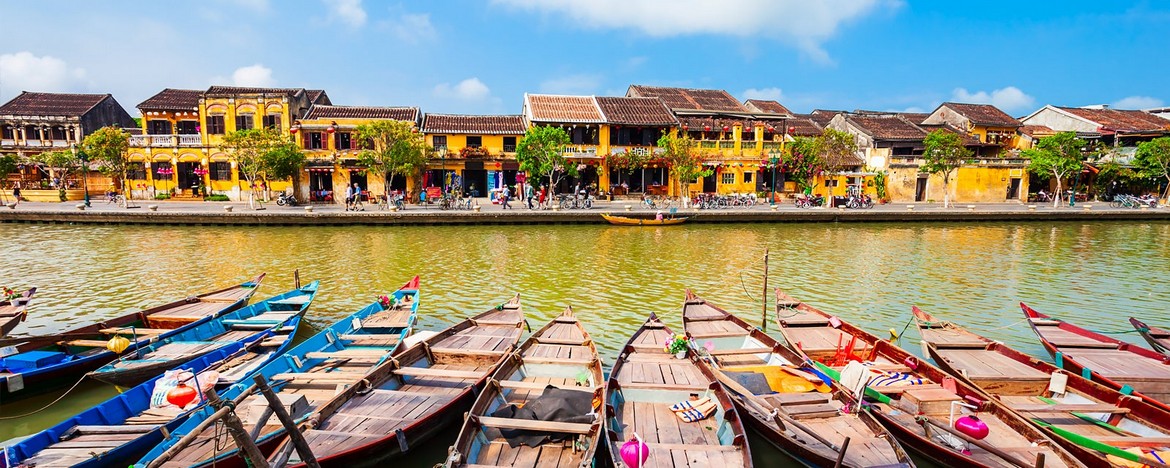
482,56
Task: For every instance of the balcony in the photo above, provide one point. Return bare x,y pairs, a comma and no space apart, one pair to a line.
726,144
580,151
509,148
165,141
7,142
772,145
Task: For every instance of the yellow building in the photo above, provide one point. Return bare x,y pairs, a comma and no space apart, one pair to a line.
328,135
474,153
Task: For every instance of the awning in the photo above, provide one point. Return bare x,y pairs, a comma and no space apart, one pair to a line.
319,169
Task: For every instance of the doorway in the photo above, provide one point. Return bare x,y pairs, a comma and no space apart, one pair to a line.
321,185
186,174
1013,191
709,183
920,189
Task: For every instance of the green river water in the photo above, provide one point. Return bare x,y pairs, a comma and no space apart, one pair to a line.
1095,274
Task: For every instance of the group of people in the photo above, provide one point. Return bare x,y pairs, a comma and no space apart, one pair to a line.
532,198
353,197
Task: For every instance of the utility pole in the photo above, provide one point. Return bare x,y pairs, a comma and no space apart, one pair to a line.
764,315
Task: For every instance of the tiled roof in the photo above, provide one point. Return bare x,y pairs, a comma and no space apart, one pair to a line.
887,127
715,100
408,114
804,127
968,138
237,90
983,114
474,124
172,99
1122,120
771,107
694,124
318,96
635,111
568,109
823,116
51,104
1036,130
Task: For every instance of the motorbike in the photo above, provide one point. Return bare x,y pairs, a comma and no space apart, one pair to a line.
859,201
285,199
806,201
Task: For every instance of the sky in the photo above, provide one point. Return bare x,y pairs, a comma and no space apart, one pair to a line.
480,57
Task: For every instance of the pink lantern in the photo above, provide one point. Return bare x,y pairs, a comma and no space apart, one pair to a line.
635,452
969,425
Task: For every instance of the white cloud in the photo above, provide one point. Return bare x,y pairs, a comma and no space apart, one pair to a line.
349,12
801,23
1009,99
470,89
767,94
410,28
1138,102
24,71
253,75
571,84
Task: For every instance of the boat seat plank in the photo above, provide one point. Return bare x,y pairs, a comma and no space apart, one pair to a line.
533,425
320,377
822,339
347,353
438,373
553,360
793,399
524,385
1123,441
659,386
1062,338
732,352
120,429
704,448
560,341
1068,408
811,411
128,331
986,364
85,343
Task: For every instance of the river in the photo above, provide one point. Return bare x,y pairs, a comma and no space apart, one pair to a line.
1095,274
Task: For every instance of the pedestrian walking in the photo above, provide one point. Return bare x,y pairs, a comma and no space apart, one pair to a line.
504,194
543,195
350,195
16,193
529,195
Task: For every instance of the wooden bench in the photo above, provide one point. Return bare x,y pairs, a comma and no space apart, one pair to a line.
1069,408
810,411
521,385
559,341
555,360
658,386
1123,442
347,353
732,352
139,331
320,377
439,373
696,448
563,319
533,425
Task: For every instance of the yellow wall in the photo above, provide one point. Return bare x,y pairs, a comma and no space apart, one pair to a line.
969,184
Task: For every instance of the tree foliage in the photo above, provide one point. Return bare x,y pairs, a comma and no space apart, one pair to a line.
684,163
255,150
836,149
8,163
395,149
541,152
944,153
108,146
1058,155
60,164
1153,160
803,160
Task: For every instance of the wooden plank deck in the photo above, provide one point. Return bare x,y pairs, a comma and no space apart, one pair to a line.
714,329
823,339
394,318
1066,339
982,364
951,337
674,443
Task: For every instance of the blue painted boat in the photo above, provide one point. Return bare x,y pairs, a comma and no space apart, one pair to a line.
35,365
280,314
113,433
304,378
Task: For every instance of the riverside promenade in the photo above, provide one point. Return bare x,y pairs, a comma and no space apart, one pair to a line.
236,213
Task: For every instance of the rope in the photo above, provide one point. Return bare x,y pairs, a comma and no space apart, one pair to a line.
744,286
63,395
1136,330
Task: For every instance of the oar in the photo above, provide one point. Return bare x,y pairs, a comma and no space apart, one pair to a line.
1102,447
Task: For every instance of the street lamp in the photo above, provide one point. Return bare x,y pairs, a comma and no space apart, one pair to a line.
773,160
81,156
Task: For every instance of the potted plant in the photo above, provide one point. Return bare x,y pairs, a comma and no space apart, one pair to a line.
677,345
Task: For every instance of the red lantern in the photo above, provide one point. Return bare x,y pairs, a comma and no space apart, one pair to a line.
706,128
497,165
726,128
791,129
294,129
331,129
771,128
685,127
181,395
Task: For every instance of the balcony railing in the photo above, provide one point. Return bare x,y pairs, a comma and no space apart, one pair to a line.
580,151
509,148
165,141
7,142
190,140
726,145
772,145
707,143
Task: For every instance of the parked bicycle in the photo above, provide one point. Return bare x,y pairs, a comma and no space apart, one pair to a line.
582,200
1130,201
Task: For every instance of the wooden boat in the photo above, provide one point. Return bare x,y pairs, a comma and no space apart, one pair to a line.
560,355
35,365
277,317
809,422
1111,362
411,397
14,311
627,221
113,433
916,401
645,382
1091,420
1158,338
307,376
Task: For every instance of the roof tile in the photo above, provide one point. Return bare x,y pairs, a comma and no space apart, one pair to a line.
887,127
474,124
715,100
172,100
636,111
51,104
983,114
1122,120
567,109
408,114
761,105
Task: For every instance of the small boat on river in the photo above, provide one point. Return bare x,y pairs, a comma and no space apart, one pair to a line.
307,376
538,409
13,311
628,221
791,406
1109,361
1158,338
34,365
1096,423
118,431
937,415
412,396
645,382
275,320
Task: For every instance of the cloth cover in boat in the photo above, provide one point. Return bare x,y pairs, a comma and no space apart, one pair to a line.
554,404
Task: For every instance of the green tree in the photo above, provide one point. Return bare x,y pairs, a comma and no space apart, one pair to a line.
541,152
1058,155
944,154
684,163
1153,160
108,146
802,158
837,149
284,162
8,163
251,149
60,164
397,149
